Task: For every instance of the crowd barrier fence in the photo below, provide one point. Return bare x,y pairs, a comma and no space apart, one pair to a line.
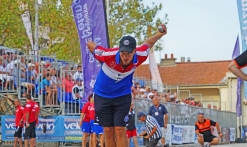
180,129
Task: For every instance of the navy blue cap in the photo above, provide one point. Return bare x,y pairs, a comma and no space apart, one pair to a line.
140,114
127,44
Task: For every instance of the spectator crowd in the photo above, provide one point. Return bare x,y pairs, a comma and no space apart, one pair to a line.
35,75
146,92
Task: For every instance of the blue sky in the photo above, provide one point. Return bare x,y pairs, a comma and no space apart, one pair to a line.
204,30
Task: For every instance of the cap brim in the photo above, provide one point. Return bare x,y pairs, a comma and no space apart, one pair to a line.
126,49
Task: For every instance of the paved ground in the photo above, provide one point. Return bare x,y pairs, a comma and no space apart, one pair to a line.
225,145
233,145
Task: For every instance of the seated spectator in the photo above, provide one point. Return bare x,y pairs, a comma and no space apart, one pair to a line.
150,96
18,74
183,101
137,87
78,73
142,92
133,92
23,64
45,88
30,79
67,85
9,69
77,90
172,99
148,89
3,72
54,84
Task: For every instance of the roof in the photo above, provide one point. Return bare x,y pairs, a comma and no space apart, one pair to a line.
189,73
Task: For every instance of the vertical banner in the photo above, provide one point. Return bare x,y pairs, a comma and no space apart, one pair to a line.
72,131
177,134
156,79
236,53
90,19
232,134
168,136
26,18
188,134
242,12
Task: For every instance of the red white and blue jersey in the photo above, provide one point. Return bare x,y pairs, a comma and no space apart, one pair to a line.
113,80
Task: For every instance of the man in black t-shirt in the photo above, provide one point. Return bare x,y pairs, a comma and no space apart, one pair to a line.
131,128
238,63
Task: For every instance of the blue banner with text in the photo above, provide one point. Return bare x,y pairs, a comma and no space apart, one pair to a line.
58,128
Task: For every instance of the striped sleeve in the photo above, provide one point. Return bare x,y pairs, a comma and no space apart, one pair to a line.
150,122
142,52
101,53
241,61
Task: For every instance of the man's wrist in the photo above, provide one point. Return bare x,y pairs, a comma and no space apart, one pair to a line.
159,35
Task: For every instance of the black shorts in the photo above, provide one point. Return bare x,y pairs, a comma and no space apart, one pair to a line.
208,137
18,132
153,142
112,111
29,131
33,134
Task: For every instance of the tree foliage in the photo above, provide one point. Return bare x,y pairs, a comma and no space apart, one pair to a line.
132,17
12,34
129,17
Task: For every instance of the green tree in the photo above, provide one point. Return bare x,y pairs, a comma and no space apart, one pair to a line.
126,17
12,34
132,17
63,39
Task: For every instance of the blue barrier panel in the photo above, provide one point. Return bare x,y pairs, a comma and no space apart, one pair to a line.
59,128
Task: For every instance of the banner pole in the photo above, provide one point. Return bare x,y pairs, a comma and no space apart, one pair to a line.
36,48
106,13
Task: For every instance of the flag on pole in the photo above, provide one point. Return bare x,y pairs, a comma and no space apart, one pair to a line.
26,18
242,11
156,79
236,53
90,19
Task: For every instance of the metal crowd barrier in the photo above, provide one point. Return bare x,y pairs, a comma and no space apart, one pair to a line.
7,57
30,71
70,104
187,115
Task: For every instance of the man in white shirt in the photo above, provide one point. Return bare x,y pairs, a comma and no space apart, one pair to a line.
77,90
9,79
78,73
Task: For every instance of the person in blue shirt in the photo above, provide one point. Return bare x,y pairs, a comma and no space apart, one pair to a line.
112,89
45,87
159,112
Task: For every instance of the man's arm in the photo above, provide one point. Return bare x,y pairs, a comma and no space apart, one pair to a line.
197,130
238,63
91,46
218,127
236,71
166,119
154,129
144,132
82,118
151,41
27,117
